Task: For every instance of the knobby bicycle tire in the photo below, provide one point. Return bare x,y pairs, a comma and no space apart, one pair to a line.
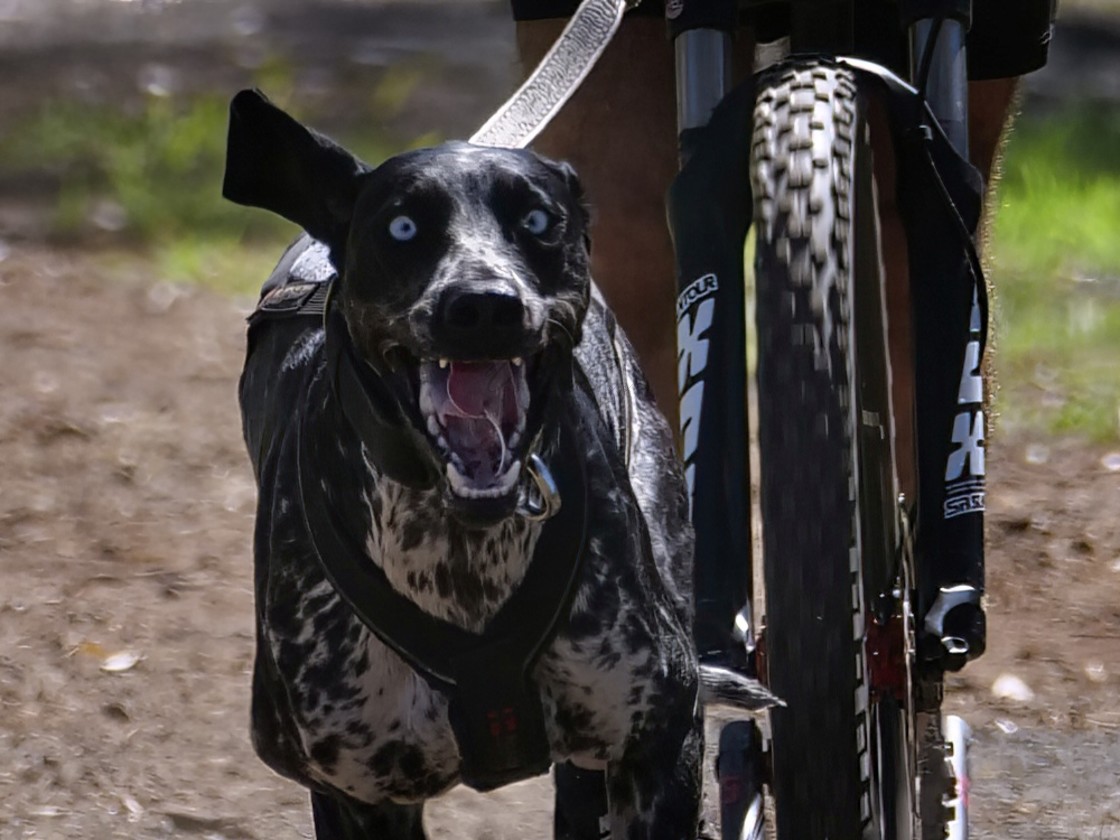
827,477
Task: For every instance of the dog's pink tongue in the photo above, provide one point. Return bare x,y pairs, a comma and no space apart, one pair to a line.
475,386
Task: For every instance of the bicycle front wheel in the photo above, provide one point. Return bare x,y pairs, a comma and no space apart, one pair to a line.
828,498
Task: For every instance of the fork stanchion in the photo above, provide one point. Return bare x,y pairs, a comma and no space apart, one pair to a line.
946,77
957,738
703,58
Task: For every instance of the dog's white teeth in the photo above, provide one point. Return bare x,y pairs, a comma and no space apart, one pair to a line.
514,439
461,485
510,476
427,404
517,361
433,426
443,362
456,479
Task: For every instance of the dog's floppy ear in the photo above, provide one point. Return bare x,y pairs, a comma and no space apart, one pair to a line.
274,162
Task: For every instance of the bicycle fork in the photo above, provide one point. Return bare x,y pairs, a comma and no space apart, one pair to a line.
710,214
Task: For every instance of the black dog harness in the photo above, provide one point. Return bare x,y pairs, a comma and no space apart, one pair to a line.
495,708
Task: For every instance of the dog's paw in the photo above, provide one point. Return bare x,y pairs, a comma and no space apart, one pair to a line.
724,687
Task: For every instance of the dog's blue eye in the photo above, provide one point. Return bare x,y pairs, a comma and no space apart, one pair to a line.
536,222
402,228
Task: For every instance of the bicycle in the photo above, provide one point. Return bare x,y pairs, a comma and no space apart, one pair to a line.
878,591
871,594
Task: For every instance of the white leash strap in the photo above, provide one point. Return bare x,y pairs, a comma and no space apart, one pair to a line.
559,75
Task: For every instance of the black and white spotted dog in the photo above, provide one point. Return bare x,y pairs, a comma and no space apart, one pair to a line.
458,414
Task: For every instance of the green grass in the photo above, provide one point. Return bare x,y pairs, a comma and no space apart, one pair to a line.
149,178
159,169
1055,262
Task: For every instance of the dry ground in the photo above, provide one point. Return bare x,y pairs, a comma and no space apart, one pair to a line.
126,507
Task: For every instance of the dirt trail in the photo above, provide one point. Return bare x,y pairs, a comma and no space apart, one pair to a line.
125,520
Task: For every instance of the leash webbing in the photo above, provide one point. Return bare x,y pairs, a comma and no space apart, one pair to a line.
560,73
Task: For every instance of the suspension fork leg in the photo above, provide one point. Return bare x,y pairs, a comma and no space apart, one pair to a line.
951,403
709,224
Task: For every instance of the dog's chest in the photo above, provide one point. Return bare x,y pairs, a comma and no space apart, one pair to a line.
358,711
369,725
460,576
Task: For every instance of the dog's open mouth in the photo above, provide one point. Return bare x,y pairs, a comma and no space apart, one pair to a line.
475,413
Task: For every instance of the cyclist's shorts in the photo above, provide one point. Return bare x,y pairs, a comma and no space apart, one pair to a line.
1008,37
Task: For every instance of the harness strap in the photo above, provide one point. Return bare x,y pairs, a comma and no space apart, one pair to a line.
496,711
374,412
628,398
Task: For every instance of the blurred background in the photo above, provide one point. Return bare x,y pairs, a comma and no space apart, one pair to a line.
113,112
126,503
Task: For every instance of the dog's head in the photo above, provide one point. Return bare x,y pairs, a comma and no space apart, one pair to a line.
463,283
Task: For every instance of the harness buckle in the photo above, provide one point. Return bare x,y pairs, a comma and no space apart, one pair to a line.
497,717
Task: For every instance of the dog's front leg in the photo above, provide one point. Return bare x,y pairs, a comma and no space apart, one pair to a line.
654,789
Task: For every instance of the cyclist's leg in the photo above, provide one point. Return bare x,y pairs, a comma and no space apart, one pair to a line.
619,133
1008,38
990,104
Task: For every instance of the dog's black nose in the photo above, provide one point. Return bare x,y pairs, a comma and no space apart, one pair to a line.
486,324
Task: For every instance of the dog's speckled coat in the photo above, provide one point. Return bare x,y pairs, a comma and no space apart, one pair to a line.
334,708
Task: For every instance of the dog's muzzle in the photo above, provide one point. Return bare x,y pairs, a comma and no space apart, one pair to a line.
468,411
